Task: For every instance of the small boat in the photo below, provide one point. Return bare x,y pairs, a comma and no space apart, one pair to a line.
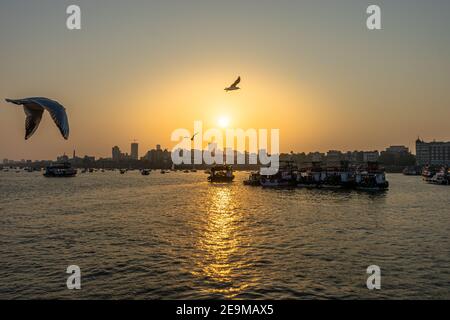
285,177
372,178
254,179
441,178
221,173
193,170
186,171
91,170
145,172
163,172
122,171
60,170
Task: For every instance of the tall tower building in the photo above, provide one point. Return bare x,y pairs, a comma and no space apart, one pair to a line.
135,151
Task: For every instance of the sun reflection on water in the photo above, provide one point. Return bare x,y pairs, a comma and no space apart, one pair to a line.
221,263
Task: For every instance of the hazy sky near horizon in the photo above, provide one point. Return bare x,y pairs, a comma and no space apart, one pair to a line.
140,69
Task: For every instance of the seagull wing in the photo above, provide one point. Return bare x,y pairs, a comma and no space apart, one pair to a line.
236,82
32,121
58,113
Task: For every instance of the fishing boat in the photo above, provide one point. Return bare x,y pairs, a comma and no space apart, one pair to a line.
285,177
254,179
221,173
60,170
371,178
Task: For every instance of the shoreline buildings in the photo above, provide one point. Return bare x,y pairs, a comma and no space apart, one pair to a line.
435,153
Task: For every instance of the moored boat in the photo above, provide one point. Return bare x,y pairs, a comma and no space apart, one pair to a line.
60,170
254,179
286,176
221,173
371,178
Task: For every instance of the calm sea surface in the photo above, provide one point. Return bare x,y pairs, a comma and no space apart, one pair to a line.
176,236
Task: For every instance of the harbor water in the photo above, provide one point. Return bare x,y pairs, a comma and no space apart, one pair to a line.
176,236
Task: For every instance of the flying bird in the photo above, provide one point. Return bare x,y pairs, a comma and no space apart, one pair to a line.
34,108
234,85
192,138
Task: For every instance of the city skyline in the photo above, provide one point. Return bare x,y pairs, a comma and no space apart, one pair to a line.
310,68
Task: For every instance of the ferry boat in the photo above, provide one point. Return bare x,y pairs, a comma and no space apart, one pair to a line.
311,177
428,173
254,179
285,177
442,177
338,177
371,178
221,173
60,170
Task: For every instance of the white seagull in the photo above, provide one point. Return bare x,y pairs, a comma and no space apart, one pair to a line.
234,85
34,108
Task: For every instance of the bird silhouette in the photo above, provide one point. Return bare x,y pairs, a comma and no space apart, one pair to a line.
234,85
34,108
192,138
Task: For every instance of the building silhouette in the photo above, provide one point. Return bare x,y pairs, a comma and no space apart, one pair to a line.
432,153
134,151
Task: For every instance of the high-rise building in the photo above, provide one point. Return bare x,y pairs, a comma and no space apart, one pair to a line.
116,154
432,153
134,151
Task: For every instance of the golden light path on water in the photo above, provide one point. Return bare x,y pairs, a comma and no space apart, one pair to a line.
220,242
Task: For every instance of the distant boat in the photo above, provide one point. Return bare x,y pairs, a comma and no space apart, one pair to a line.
254,179
372,178
145,172
60,170
163,172
122,171
221,173
285,177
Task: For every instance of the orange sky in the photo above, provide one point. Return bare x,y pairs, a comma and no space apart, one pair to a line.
310,69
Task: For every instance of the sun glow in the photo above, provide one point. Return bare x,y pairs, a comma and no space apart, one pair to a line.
224,121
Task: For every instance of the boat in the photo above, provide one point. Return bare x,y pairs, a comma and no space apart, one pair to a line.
254,179
428,173
338,177
163,172
60,170
311,177
122,171
145,172
186,171
221,173
286,176
371,178
441,178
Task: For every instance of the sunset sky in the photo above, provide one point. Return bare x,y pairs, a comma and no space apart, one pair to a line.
140,69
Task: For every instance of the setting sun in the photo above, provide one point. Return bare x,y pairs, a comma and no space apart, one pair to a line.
224,121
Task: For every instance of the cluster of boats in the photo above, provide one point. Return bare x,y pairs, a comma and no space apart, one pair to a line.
439,176
368,177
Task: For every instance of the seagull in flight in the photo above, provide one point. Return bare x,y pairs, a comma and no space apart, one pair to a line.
234,85
34,108
192,138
